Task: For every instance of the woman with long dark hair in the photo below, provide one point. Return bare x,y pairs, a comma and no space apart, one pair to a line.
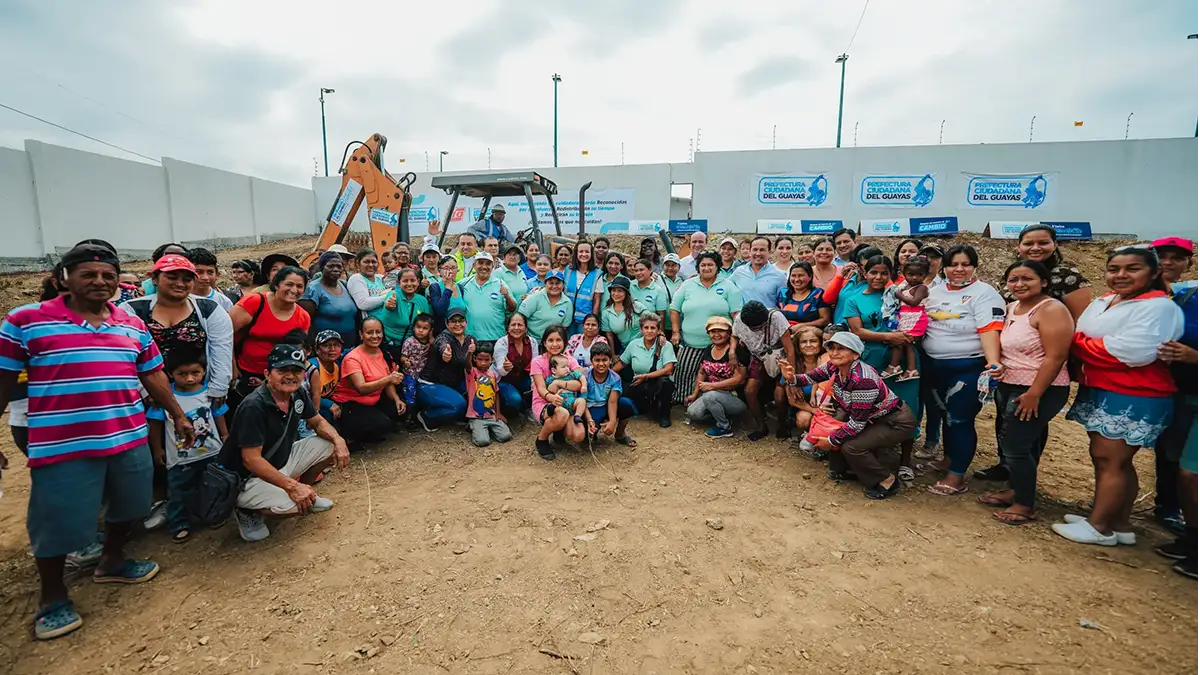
824,269
368,391
620,317
801,302
580,283
548,410
904,250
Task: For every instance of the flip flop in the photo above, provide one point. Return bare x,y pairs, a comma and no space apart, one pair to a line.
990,499
1015,519
56,620
942,490
627,441
131,572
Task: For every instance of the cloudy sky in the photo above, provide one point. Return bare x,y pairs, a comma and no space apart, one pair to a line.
233,83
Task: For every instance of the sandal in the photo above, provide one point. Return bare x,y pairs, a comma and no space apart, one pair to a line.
943,490
905,473
56,620
909,375
890,372
990,499
929,467
627,441
180,536
926,452
131,572
1013,518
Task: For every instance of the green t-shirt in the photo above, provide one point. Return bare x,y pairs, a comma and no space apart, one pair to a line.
850,290
653,297
612,322
697,304
514,280
639,357
397,322
869,308
485,307
540,314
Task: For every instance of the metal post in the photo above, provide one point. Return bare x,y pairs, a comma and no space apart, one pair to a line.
622,153
1127,119
842,59
324,138
941,130
556,78
441,154
489,159
426,161
1031,121
773,127
856,134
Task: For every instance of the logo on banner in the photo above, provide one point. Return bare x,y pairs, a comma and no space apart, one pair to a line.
767,226
945,225
905,191
1071,230
1020,191
688,226
385,217
804,191
885,228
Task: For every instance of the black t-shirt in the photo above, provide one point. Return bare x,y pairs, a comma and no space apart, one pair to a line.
450,374
720,369
259,422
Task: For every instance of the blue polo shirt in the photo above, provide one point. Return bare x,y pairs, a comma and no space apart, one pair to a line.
485,307
763,285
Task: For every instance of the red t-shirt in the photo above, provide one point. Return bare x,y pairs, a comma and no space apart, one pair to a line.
266,332
372,368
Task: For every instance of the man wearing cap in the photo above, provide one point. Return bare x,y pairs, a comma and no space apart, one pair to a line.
729,251
430,255
875,419
548,307
264,447
511,274
687,264
760,280
464,255
85,358
492,226
487,299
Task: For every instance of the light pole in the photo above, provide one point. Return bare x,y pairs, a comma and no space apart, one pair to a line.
1031,121
1127,121
556,78
842,59
856,134
441,154
324,142
941,130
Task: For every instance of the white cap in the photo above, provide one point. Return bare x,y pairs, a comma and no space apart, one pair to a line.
483,255
728,240
338,249
848,340
671,257
430,246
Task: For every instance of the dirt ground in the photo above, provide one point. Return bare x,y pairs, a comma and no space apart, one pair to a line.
442,557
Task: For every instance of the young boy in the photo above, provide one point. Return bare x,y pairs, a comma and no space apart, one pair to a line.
541,267
568,384
207,276
187,369
607,412
484,417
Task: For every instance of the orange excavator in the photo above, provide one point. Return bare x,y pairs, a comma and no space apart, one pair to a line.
388,199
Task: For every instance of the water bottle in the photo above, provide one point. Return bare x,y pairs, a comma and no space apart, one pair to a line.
986,385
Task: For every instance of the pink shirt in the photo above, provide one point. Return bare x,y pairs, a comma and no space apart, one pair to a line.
541,366
1021,351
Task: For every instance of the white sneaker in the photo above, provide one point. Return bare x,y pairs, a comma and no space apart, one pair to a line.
321,504
1123,538
1082,532
158,516
251,526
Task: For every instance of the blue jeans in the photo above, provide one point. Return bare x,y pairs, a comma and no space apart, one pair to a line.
955,396
181,479
512,397
441,404
625,410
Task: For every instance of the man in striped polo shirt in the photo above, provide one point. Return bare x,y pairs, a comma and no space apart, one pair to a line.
87,427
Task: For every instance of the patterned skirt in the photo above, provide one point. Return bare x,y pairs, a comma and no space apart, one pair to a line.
1137,420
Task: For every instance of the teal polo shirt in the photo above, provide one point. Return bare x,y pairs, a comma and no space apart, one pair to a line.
639,357
612,322
696,304
540,314
602,287
653,297
514,280
397,323
485,307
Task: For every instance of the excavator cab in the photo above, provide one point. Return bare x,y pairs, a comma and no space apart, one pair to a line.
510,184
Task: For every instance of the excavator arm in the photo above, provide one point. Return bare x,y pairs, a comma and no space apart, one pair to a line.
388,199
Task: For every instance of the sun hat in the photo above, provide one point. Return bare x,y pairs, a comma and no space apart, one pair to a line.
717,322
340,250
848,340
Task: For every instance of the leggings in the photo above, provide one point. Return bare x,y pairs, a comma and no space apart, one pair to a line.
1021,442
955,395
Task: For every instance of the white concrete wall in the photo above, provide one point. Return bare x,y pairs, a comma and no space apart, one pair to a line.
1143,187
282,210
22,237
209,205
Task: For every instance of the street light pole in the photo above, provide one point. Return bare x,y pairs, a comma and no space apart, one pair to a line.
1031,121
324,141
1127,121
842,59
441,154
556,78
941,130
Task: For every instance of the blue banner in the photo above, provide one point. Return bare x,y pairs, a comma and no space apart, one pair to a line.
688,226
820,226
920,226
1081,231
767,226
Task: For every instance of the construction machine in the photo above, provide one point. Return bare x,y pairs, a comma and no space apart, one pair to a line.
388,199
509,184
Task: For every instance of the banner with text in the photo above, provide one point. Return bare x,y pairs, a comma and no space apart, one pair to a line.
801,190
885,227
603,207
911,191
767,226
1010,191
1066,230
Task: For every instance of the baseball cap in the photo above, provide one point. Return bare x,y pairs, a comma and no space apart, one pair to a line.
1177,242
671,257
327,335
498,207
512,247
848,340
930,248
483,255
619,282
92,253
717,322
285,356
728,240
174,262
456,312
430,247
555,274
339,249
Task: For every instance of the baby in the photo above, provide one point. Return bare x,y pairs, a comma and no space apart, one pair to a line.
568,384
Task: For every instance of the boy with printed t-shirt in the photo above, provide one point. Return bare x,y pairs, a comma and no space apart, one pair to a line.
185,461
484,417
608,412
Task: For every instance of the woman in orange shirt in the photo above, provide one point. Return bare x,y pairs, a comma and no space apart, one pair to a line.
371,404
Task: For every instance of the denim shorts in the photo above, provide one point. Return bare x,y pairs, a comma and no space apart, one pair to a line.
65,498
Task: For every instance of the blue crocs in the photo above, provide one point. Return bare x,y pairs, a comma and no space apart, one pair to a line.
56,620
132,572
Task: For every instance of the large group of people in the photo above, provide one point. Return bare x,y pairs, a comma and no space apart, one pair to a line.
123,391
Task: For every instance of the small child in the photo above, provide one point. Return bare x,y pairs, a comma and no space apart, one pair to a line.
604,390
414,354
568,384
907,315
542,267
484,417
184,464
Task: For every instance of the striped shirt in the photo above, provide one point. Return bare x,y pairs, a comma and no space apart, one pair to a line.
862,395
83,381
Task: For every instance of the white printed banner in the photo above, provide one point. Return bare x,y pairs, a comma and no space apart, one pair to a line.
1006,229
607,207
906,191
799,190
1029,191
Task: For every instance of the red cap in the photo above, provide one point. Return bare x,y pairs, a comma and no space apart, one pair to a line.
1177,242
173,262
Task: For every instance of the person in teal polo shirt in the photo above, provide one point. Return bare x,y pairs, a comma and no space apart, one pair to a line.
511,274
697,300
401,307
548,306
620,317
651,361
487,300
647,291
